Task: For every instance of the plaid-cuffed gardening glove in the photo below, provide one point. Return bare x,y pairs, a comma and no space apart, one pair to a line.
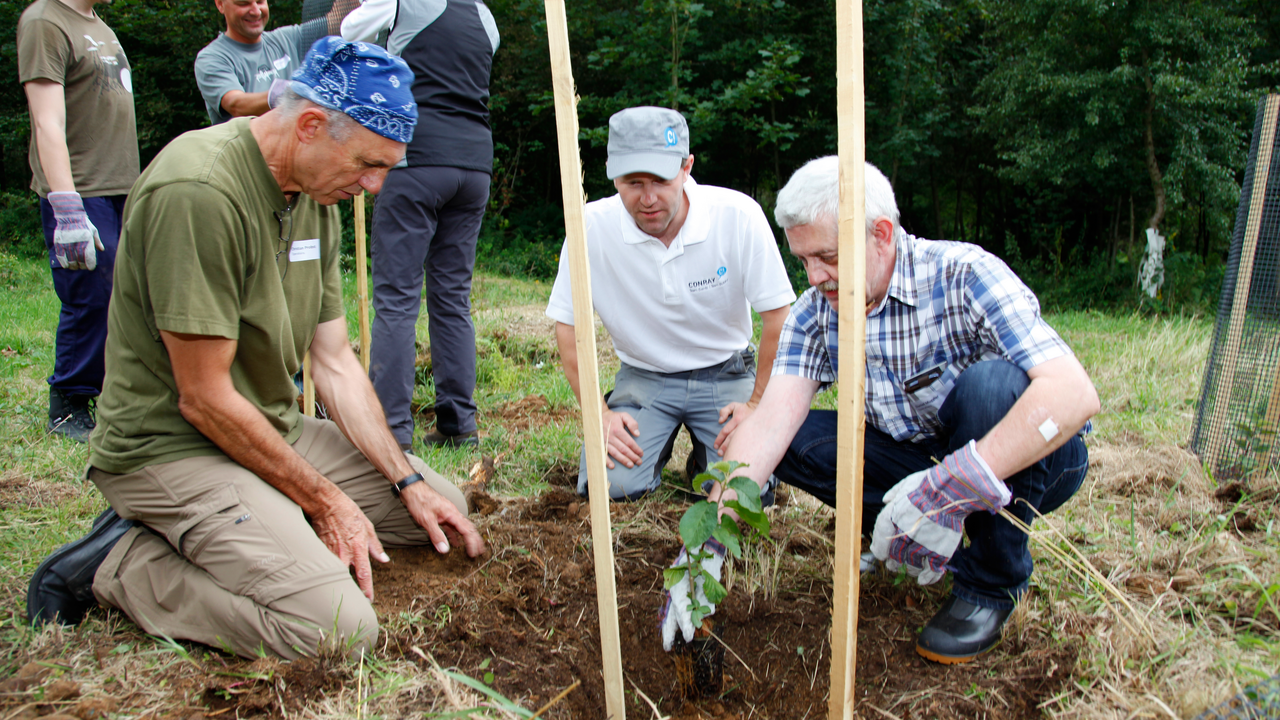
924,514
677,611
276,91
75,239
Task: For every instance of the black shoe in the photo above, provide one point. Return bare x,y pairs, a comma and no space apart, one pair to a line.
438,439
61,589
71,415
961,631
696,463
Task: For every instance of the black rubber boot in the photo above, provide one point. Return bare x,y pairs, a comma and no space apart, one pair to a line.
61,589
961,631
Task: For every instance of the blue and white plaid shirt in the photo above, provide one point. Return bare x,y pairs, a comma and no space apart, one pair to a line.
949,305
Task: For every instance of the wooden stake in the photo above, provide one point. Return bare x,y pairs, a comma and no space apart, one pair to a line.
362,280
1244,278
308,387
588,373
850,113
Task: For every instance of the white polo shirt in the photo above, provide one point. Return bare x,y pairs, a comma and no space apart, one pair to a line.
687,306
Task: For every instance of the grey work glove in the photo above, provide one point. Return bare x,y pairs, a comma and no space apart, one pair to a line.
75,239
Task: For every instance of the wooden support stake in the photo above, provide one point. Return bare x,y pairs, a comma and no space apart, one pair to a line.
362,280
308,387
588,372
1244,277
852,329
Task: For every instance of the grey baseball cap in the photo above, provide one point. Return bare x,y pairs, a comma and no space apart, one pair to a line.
649,140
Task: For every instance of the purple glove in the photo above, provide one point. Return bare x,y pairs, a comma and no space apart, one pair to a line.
276,91
923,516
75,239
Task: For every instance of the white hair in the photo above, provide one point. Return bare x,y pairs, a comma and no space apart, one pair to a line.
339,125
813,195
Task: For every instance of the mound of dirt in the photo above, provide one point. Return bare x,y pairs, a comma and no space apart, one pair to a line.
527,614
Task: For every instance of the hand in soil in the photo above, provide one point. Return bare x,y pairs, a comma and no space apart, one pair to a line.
677,612
349,535
622,446
731,416
432,511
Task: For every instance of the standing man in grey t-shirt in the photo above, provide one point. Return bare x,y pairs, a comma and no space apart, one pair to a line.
236,70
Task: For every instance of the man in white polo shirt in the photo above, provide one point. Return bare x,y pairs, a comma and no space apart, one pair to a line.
676,268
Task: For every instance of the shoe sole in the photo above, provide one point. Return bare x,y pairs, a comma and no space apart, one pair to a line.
950,659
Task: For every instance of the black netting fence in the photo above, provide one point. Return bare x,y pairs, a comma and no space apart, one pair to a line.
1235,430
1257,702
324,17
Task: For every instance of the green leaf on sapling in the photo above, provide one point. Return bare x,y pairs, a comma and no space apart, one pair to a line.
728,535
710,473
698,523
714,591
748,492
755,519
671,576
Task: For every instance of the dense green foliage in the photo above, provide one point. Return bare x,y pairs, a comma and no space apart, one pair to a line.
1050,132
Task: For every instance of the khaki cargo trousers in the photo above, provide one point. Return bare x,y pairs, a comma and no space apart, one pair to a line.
227,560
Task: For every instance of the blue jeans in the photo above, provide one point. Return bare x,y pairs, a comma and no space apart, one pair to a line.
994,569
78,365
661,403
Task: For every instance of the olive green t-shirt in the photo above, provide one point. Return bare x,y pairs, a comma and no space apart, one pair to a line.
82,54
201,253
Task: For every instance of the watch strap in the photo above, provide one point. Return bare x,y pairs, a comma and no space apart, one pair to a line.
400,486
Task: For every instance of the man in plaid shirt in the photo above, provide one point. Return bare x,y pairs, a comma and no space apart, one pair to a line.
973,404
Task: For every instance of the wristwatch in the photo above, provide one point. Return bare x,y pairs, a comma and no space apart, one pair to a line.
400,486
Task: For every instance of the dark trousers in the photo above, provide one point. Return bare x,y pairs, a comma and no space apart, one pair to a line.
82,324
994,569
425,226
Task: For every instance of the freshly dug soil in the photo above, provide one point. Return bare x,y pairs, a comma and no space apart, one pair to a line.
529,607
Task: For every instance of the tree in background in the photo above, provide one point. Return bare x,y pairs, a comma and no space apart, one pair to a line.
1126,102
1019,125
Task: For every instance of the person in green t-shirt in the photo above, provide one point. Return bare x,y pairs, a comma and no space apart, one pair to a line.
84,158
235,520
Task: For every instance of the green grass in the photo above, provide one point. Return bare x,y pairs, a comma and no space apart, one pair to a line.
1146,509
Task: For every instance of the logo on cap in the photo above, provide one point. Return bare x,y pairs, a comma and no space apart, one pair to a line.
672,140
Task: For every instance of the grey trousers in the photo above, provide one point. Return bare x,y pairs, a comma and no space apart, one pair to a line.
661,403
227,560
425,225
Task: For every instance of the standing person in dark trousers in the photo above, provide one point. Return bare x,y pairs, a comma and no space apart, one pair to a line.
84,159
428,216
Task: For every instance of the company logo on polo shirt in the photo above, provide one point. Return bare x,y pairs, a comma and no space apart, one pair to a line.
720,278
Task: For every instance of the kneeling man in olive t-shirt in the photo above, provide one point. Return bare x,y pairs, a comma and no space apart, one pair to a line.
239,520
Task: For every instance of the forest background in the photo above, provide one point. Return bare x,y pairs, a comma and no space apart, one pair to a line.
1050,132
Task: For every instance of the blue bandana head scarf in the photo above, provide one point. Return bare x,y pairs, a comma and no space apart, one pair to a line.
362,81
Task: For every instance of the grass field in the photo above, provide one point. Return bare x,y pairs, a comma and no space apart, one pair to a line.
1196,566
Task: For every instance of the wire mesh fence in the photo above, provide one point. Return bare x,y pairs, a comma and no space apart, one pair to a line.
1239,413
324,17
1260,701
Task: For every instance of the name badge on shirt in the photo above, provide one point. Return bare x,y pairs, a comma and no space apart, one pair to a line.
304,250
